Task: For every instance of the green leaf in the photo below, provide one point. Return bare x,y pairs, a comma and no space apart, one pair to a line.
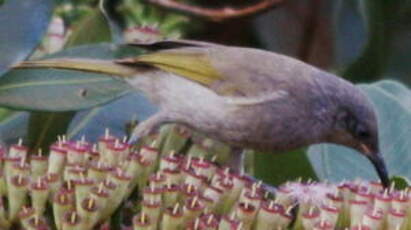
64,90
107,8
277,168
380,16
57,90
401,183
93,28
85,88
23,24
13,125
374,52
398,65
5,113
44,127
336,163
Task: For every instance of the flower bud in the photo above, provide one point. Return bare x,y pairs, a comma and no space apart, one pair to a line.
142,222
72,221
38,166
62,203
142,34
172,218
39,192
17,195
57,158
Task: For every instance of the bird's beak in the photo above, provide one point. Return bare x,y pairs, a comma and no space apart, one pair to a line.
379,164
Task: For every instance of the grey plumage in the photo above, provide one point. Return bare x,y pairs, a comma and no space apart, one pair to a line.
269,101
246,97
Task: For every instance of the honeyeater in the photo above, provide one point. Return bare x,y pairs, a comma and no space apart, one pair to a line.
246,97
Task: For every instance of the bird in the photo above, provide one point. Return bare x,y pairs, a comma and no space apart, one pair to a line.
246,97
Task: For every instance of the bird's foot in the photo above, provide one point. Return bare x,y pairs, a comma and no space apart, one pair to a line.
147,127
137,133
236,162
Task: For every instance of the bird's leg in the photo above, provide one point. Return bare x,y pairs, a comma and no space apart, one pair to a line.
148,126
236,162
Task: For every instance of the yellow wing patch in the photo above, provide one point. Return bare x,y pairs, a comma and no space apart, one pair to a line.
193,66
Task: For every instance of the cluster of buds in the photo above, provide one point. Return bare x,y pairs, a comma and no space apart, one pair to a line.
82,183
194,193
349,205
145,23
79,185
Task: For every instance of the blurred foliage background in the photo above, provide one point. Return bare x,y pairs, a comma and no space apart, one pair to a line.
364,41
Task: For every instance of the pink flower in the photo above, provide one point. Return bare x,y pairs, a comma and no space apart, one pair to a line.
311,193
54,39
142,34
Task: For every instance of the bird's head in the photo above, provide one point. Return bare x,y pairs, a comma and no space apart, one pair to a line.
356,127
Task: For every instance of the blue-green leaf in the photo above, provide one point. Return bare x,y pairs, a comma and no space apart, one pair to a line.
114,116
23,23
65,90
13,125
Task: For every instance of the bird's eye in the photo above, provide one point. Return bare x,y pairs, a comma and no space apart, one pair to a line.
361,132
353,126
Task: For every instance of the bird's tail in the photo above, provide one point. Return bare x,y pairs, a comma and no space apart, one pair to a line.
81,64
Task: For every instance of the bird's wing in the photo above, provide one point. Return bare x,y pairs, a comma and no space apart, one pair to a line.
171,44
189,64
243,76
